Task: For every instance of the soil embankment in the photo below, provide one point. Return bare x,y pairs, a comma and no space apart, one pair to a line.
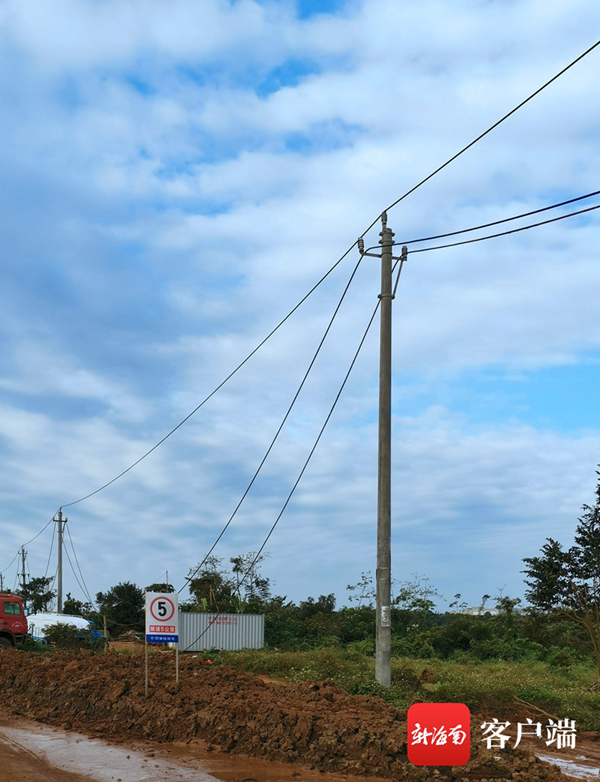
316,724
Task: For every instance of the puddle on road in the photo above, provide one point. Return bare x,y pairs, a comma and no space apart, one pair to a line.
147,762
96,759
579,767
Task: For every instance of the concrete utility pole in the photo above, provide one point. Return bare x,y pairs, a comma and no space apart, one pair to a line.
59,586
23,574
383,646
383,641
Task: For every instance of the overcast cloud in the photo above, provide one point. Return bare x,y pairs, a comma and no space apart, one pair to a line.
178,174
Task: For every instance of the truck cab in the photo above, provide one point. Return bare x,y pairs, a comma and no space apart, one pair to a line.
13,622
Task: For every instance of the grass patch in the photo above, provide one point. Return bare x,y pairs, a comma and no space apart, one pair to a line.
490,686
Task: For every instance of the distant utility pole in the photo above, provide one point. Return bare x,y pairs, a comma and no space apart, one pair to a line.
383,641
1,583
59,587
23,574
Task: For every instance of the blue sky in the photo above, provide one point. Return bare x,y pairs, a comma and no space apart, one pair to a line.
178,174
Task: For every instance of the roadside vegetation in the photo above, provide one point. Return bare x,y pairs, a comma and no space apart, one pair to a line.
497,688
495,657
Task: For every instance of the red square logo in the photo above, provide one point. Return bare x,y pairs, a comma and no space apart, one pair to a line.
438,734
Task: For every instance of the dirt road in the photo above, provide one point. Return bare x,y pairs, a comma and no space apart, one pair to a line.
19,764
30,752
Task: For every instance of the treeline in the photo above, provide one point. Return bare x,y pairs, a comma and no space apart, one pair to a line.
418,630
561,625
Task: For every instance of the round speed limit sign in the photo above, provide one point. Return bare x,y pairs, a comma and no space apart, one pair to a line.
162,609
162,617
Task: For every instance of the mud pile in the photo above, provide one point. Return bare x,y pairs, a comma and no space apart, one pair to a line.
316,724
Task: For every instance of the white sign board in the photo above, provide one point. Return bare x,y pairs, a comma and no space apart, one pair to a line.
162,617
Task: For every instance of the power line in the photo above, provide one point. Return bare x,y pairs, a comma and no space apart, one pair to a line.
11,562
217,388
283,422
493,127
506,233
75,574
86,592
498,222
303,470
27,543
50,554
397,201
35,537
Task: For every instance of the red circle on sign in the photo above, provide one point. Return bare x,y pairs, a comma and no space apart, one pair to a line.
170,609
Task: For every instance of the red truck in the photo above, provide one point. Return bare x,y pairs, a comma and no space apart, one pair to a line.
13,622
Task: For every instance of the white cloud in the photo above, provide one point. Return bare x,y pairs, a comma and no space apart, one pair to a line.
153,234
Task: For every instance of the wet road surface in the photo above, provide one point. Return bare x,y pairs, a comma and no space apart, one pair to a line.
32,752
38,753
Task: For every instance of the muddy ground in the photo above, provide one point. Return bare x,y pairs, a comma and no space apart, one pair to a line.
315,724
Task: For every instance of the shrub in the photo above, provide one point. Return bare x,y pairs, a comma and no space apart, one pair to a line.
65,636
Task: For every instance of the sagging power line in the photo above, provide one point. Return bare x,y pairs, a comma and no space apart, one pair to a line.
335,265
283,422
303,470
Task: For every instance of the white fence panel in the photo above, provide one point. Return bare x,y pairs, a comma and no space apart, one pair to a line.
231,632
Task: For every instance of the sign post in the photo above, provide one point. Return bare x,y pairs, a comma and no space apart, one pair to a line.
162,624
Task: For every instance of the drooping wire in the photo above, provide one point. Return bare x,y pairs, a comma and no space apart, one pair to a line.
342,257
499,222
86,590
11,562
83,591
217,388
505,233
495,125
26,544
35,537
299,478
50,554
282,424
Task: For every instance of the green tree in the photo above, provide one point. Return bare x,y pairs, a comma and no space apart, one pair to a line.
363,590
123,606
214,588
73,607
162,588
37,594
251,588
211,586
567,582
325,604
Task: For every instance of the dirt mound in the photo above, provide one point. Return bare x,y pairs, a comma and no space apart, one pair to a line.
314,723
